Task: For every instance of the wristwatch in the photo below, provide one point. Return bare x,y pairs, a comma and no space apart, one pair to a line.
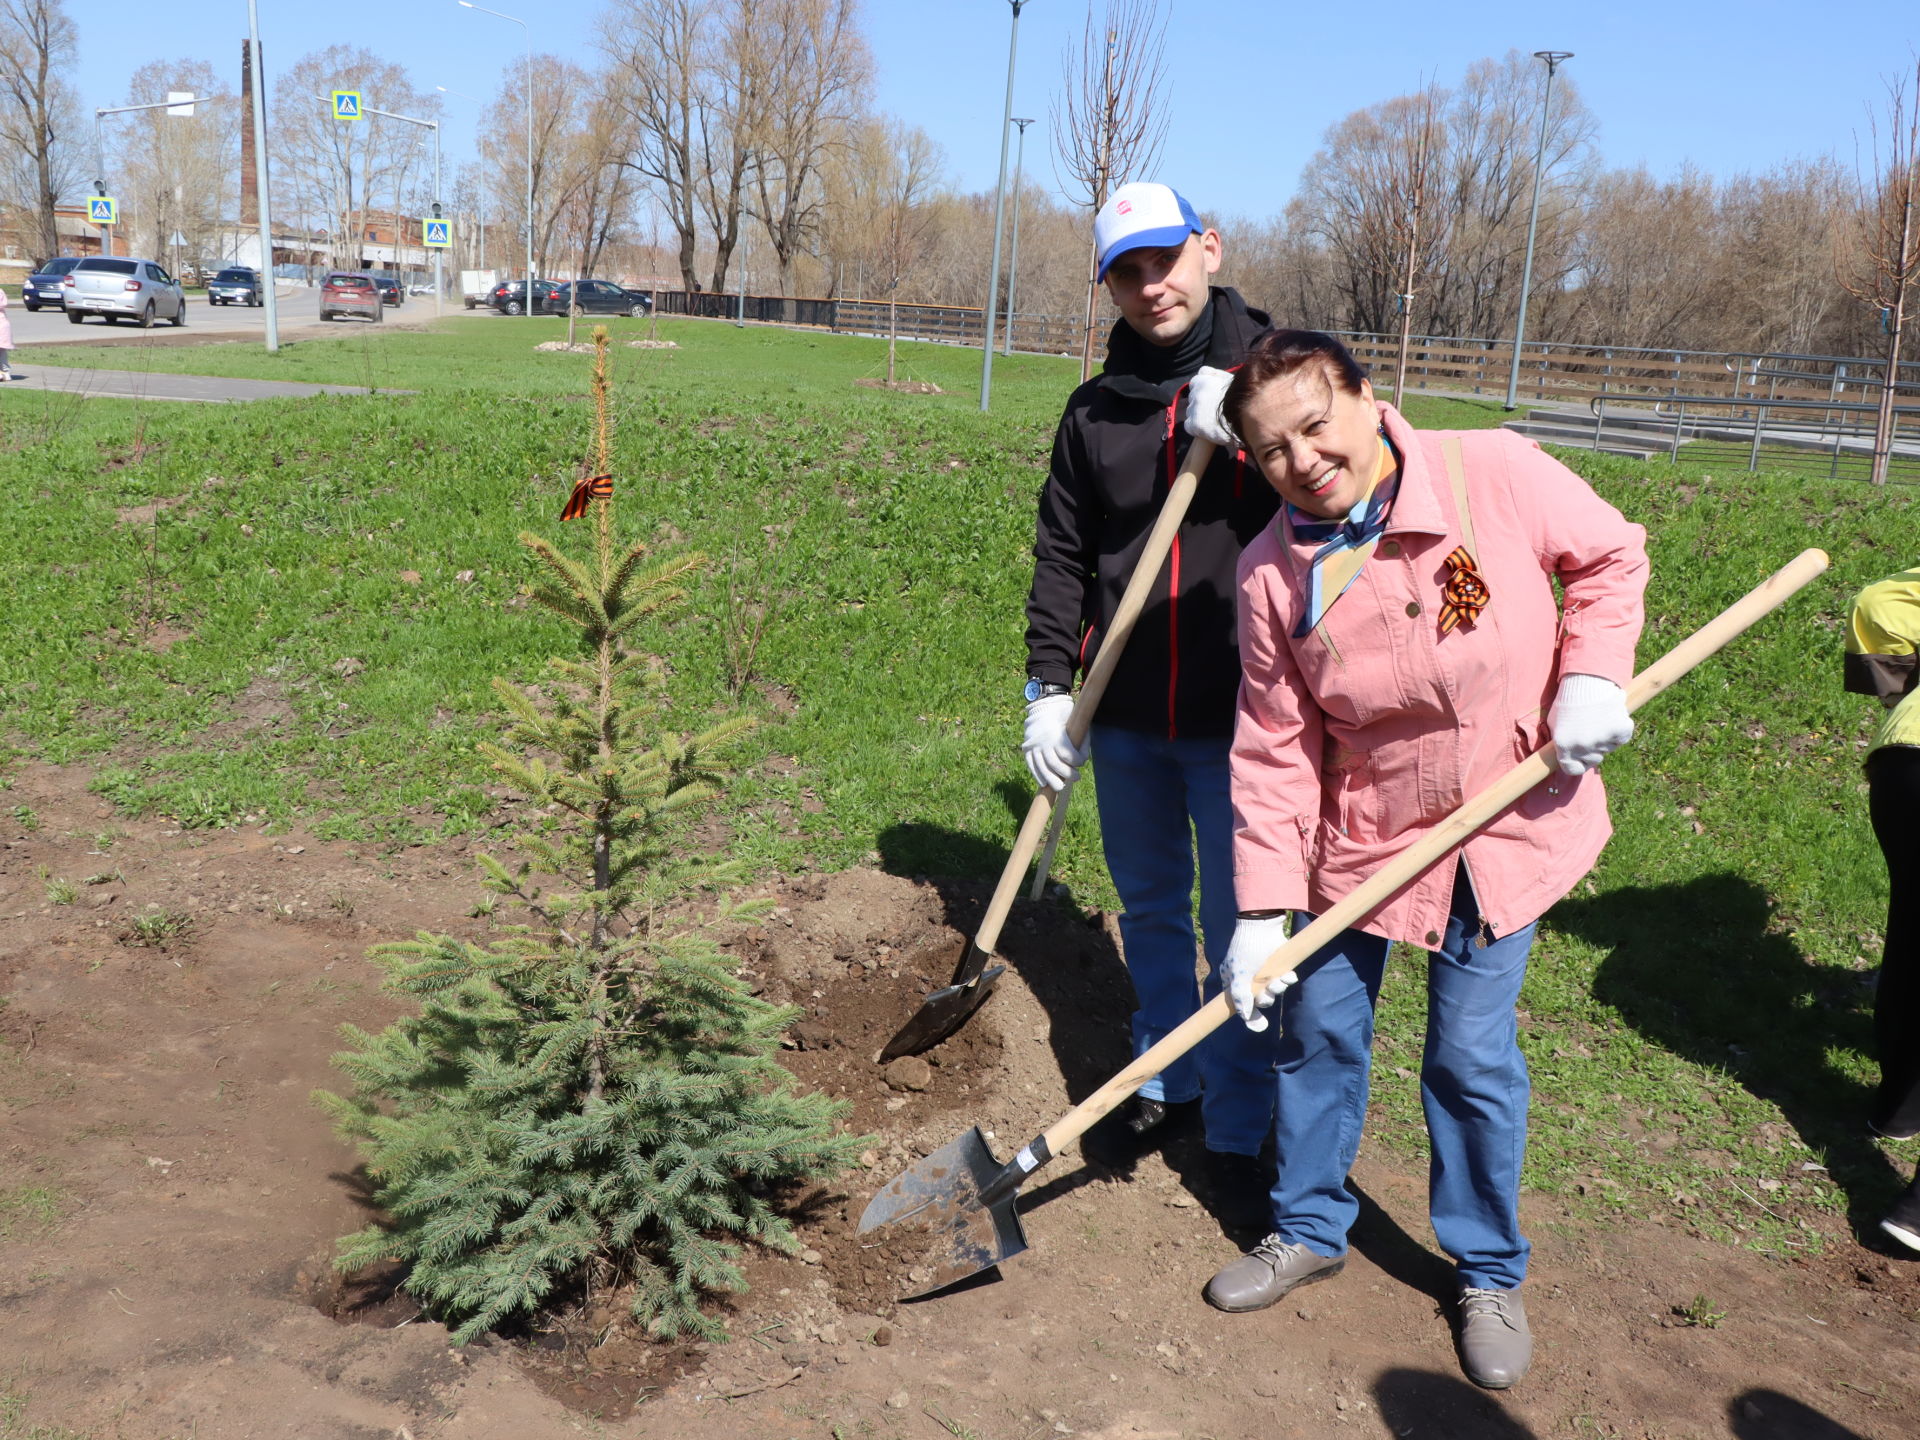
1038,688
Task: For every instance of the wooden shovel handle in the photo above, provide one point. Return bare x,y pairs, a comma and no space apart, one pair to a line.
1133,600
1420,856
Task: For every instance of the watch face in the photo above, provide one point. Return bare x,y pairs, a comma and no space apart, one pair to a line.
1032,692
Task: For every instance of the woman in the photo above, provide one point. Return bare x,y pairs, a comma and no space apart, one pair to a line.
1882,637
1402,647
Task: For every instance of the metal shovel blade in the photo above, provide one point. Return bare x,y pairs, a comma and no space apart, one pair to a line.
951,1216
946,1009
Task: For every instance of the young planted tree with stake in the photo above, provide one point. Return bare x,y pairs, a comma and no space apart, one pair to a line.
591,1098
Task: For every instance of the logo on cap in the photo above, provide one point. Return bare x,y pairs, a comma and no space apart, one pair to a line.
1142,215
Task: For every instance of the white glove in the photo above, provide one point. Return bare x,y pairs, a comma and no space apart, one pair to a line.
1253,941
1589,721
1204,393
1053,760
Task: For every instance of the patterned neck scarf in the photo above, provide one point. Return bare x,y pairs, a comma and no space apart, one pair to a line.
1345,544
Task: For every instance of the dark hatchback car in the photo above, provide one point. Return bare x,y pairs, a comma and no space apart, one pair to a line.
43,286
511,299
599,297
236,285
391,290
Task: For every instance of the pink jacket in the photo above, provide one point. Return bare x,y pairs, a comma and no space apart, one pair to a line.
1358,738
6,324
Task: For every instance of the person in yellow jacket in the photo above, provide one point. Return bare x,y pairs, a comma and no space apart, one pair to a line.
1883,659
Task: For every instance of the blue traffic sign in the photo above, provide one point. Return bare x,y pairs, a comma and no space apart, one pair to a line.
103,210
346,104
436,234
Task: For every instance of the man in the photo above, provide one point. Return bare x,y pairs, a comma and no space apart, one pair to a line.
1160,741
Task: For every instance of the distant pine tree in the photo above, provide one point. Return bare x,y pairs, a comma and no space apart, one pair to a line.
593,1094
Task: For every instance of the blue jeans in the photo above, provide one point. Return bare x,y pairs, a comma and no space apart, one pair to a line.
1161,801
1473,1086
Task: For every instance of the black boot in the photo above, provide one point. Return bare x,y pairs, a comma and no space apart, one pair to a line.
1140,1125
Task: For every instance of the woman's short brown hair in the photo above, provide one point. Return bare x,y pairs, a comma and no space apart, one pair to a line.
1279,353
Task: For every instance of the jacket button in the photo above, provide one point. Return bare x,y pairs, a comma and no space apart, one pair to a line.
1413,608
1390,549
1433,938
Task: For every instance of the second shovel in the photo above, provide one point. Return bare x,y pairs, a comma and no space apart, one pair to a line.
947,1009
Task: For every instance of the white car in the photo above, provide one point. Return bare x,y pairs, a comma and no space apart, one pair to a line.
117,287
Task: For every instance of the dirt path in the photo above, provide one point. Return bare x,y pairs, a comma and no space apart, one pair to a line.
168,1199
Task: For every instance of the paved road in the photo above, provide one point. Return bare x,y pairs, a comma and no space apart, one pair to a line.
299,306
87,382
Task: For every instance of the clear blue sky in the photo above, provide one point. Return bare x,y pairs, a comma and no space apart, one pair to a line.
1255,83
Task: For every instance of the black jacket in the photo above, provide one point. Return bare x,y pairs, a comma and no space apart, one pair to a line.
1115,455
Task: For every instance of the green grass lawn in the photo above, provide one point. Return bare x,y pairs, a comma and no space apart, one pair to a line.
292,610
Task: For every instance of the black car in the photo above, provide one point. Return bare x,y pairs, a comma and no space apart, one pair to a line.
391,291
235,284
43,286
511,298
598,297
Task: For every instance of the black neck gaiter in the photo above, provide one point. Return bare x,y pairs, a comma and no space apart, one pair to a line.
1178,361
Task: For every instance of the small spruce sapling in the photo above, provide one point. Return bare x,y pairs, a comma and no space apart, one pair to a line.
592,1097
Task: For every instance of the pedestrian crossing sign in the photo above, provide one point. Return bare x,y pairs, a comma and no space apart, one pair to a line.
346,104
103,210
436,234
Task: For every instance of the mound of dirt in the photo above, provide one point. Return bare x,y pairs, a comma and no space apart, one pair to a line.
169,1203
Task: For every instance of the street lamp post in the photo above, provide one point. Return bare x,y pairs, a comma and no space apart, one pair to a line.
501,15
1554,58
999,210
264,200
1013,260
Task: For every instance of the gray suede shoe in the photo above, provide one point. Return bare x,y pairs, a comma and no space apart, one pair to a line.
1496,1346
1266,1273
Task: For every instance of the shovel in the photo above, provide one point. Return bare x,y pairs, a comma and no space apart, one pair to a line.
947,1009
955,1209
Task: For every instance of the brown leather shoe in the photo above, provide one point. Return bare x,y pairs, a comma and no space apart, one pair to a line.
1266,1273
1496,1345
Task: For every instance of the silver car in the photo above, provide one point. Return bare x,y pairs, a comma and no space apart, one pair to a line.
117,287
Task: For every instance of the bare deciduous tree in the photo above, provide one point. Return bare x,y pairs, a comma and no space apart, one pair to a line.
1108,123
657,50
817,75
732,100
39,116
1880,262
348,173
178,169
565,96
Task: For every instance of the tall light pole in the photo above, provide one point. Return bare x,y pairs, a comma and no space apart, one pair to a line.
1013,260
501,15
999,210
1553,59
269,299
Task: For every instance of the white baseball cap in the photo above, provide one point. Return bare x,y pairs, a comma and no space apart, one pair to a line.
1142,215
